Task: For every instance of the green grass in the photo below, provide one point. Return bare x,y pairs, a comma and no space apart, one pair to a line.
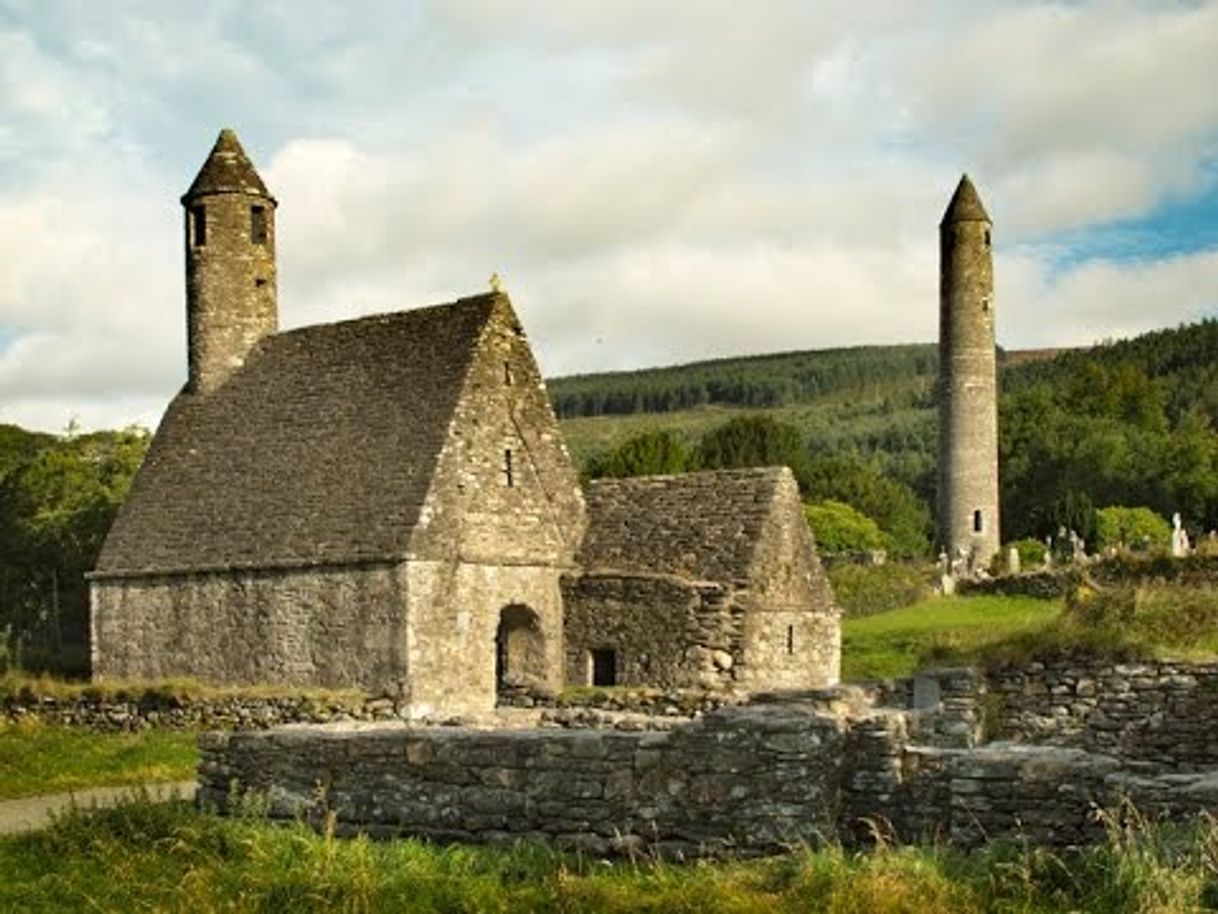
943,629
146,857
38,758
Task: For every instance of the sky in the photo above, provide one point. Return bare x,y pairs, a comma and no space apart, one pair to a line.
656,182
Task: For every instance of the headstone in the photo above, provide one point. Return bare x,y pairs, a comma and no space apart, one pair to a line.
1180,546
1013,561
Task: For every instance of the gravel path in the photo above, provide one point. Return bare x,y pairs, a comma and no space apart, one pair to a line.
31,813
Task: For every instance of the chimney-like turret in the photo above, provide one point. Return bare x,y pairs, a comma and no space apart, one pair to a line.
230,264
967,385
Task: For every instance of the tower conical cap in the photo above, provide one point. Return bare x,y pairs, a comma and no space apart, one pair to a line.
227,170
965,205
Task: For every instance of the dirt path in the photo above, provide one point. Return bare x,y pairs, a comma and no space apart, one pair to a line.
30,813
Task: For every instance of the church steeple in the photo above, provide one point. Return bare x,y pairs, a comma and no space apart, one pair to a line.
230,264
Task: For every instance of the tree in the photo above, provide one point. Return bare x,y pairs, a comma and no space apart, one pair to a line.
754,441
55,509
840,528
892,505
646,454
1138,528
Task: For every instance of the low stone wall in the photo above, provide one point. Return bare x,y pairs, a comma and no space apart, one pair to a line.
1159,711
608,708
904,759
742,780
168,712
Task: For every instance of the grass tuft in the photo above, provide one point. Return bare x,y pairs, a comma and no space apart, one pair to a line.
169,857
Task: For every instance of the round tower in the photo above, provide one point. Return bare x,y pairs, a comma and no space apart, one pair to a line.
230,264
967,385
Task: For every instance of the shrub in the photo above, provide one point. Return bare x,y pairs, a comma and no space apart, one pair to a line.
862,590
1131,528
1031,551
840,528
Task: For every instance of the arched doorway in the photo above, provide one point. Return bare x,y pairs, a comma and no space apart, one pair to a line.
520,651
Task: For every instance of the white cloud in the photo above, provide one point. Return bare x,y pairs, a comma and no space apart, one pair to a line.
657,182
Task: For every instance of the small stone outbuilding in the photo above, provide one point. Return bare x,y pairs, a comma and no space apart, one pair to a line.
706,580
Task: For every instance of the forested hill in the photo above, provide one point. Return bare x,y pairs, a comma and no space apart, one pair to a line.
761,381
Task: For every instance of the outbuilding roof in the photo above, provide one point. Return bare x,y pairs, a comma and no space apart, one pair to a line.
700,525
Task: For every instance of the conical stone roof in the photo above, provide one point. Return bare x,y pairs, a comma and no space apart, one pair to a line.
227,170
965,205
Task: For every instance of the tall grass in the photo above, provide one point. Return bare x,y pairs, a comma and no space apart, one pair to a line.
171,858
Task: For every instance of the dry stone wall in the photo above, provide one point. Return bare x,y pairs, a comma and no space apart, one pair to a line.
1159,711
905,759
741,780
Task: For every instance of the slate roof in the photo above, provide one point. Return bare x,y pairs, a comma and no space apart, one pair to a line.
320,448
227,170
965,205
700,525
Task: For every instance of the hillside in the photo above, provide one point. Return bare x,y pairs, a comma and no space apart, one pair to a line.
1129,422
873,400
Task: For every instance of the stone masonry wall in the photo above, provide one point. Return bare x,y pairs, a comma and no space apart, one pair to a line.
1158,711
741,780
904,760
332,627
666,631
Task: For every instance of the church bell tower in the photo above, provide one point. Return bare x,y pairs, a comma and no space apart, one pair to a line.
230,264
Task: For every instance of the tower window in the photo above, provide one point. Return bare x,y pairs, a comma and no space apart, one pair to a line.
987,238
978,521
507,467
790,639
258,224
507,373
198,225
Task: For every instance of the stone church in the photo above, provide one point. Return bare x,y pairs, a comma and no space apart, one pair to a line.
387,503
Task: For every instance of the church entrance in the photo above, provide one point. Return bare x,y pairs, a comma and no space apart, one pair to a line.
520,651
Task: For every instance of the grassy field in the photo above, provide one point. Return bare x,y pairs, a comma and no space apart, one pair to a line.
143,857
38,759
946,629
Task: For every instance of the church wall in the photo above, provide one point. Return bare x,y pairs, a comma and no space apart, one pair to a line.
664,631
501,523
333,627
455,609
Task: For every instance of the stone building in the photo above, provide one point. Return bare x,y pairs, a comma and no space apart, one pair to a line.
383,503
967,386
387,504
700,580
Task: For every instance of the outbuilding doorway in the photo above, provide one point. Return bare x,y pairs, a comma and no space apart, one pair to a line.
520,651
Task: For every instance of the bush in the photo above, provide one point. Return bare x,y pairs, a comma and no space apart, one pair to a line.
862,590
1031,551
839,528
1140,528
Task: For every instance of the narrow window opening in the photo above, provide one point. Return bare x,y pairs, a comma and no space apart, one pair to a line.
507,373
604,666
978,521
258,224
259,283
790,639
508,477
198,225
987,238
